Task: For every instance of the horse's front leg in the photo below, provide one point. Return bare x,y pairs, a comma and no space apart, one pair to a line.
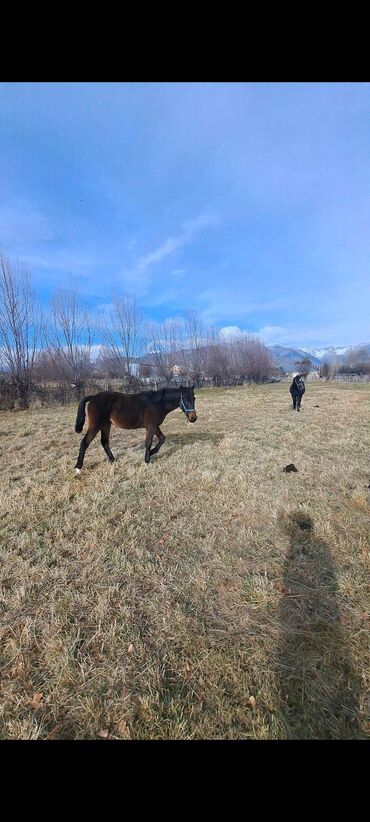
148,443
161,439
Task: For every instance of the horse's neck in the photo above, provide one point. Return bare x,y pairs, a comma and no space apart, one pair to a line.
171,403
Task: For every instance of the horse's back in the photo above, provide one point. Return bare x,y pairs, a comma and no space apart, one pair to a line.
104,400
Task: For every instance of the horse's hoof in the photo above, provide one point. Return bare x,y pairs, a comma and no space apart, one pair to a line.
77,471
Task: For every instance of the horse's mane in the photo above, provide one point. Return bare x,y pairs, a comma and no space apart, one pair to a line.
156,396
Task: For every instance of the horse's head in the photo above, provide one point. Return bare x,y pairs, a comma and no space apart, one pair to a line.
187,403
299,382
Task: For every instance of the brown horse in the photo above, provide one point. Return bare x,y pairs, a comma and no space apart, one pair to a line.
145,410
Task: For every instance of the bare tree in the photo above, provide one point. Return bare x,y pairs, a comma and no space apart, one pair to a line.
123,334
45,366
165,343
106,365
325,370
194,351
357,361
70,339
304,366
237,358
217,365
259,362
328,369
21,327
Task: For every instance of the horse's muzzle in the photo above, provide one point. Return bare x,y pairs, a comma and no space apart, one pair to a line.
192,416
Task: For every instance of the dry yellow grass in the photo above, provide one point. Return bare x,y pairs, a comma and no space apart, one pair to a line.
207,595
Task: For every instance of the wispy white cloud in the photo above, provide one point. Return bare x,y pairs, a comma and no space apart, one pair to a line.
139,276
66,260
236,304
269,334
274,334
22,223
166,248
288,173
232,331
298,336
34,237
295,337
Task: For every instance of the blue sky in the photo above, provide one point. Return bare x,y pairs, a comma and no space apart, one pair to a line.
248,202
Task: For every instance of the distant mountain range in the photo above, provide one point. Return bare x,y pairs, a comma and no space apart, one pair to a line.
286,357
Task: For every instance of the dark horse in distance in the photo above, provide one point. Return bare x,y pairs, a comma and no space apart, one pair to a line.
144,410
297,390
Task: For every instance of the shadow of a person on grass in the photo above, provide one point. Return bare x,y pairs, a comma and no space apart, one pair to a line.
319,687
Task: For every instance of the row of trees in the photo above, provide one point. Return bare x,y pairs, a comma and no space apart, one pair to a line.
357,361
187,346
68,346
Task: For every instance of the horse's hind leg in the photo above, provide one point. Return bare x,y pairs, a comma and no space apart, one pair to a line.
91,433
105,431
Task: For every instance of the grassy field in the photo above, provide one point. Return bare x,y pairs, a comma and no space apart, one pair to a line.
207,595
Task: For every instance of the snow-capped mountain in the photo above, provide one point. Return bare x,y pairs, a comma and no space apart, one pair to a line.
323,352
338,353
287,356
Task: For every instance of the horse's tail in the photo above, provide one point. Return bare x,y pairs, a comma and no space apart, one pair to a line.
80,419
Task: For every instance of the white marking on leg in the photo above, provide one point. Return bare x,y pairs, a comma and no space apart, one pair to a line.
78,471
